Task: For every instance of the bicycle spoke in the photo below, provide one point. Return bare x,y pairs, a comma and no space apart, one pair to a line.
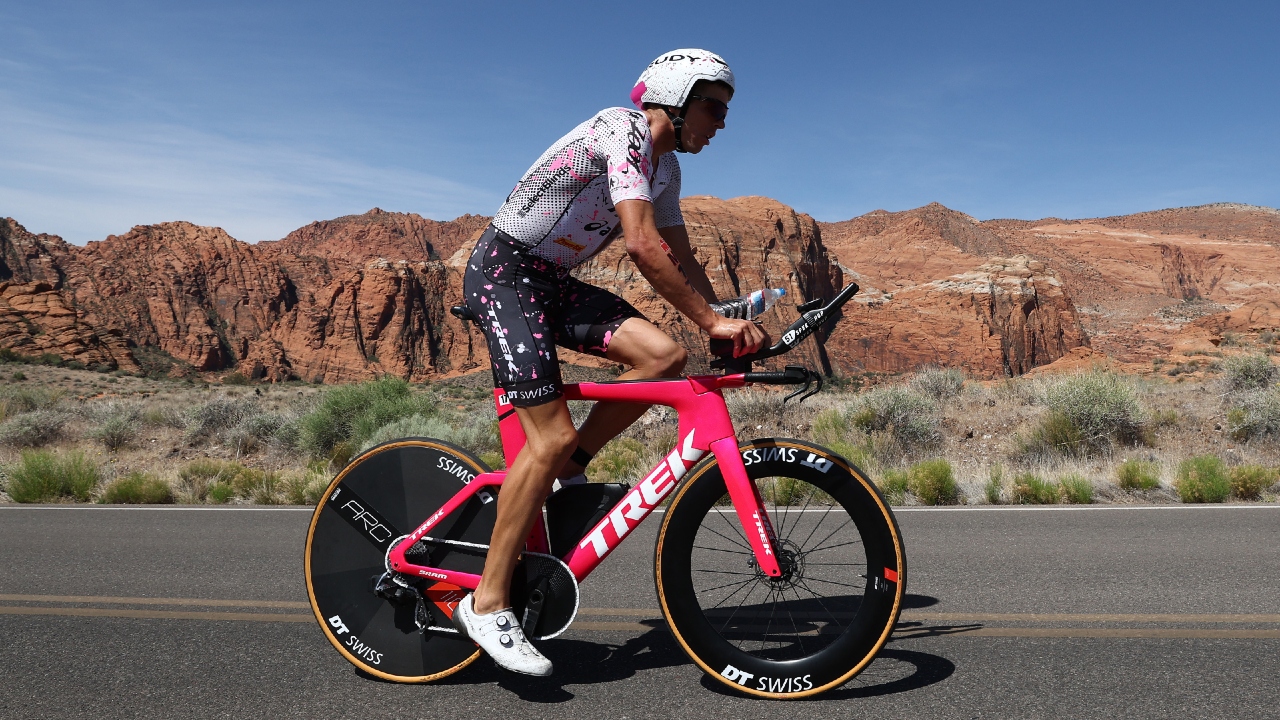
769,624
818,597
725,572
802,510
833,582
832,547
728,539
739,583
794,626
817,525
833,532
736,529
735,552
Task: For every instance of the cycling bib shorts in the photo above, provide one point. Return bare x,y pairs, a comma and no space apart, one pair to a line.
526,307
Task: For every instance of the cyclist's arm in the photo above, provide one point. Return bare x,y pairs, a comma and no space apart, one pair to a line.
663,270
677,238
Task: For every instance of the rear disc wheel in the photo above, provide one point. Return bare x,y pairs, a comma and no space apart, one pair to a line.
380,496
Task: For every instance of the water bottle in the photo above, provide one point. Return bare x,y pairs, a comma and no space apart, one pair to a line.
749,306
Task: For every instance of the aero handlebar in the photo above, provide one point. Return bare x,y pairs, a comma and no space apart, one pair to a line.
812,317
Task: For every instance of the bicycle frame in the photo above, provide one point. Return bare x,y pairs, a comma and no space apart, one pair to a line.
704,425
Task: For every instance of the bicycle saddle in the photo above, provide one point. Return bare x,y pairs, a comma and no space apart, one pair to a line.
463,313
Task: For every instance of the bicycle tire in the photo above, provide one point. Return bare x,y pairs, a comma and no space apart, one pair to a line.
701,538
397,485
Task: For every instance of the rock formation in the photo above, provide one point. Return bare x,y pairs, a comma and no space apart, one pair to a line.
364,295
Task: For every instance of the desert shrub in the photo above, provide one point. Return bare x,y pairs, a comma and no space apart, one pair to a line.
347,416
305,488
210,420
1076,489
1254,414
33,429
1202,479
895,485
137,488
165,416
477,437
1054,434
221,492
1087,413
118,423
1247,372
993,488
933,482
1134,474
832,429
1248,481
1029,489
263,488
907,420
1102,405
235,378
621,460
15,401
41,476
938,383
199,479
254,432
19,376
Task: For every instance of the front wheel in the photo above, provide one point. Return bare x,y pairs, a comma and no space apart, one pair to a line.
844,570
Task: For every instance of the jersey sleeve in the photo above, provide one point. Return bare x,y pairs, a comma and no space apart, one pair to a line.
626,144
666,207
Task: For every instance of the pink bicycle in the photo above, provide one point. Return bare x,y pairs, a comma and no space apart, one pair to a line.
779,567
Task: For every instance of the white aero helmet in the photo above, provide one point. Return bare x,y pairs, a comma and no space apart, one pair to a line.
669,80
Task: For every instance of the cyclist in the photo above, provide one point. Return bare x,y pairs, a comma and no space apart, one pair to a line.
615,174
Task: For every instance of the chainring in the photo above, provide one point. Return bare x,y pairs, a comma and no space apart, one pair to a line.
544,595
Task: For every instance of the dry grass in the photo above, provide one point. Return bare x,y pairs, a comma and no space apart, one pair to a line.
977,433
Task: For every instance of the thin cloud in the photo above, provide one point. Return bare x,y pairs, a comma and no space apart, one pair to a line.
84,181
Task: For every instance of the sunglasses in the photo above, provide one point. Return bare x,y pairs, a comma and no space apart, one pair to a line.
718,109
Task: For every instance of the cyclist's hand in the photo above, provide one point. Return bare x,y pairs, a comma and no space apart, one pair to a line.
747,336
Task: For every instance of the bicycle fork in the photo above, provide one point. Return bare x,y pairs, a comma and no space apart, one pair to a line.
748,504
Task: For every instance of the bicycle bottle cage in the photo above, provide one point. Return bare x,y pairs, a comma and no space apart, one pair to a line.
812,316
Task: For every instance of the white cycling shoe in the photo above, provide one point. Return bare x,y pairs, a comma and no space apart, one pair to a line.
498,634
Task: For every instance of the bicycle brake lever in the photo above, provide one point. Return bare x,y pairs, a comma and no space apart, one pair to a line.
816,390
804,392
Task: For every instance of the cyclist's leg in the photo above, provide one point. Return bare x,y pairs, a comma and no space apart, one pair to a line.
596,321
550,438
651,354
516,298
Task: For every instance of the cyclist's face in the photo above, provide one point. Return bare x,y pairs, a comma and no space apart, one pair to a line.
705,117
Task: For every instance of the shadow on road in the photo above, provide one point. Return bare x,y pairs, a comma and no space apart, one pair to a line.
579,662
893,671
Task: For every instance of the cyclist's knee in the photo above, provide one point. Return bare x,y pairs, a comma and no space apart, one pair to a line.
673,361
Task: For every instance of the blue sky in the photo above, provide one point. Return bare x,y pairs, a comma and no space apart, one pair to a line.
260,117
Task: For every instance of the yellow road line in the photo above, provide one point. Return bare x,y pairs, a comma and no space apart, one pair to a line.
597,626
1095,632
1094,617
200,602
156,614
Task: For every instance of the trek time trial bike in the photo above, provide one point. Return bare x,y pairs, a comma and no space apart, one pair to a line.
779,567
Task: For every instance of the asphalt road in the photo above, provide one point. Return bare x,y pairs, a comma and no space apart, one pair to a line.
1014,613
